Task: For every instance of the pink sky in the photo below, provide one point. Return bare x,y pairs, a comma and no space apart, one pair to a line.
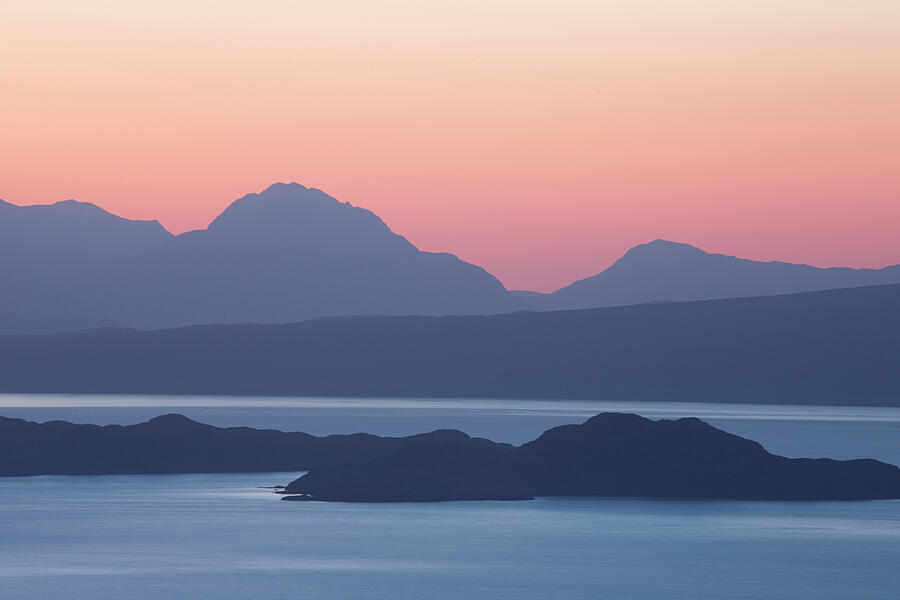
537,139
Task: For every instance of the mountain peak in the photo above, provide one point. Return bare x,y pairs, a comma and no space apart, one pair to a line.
282,186
77,207
660,242
616,420
289,253
173,420
288,206
661,247
666,271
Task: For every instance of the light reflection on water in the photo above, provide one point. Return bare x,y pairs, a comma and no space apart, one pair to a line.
221,536
511,406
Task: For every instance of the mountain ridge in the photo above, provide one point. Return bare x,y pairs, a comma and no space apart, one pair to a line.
664,271
290,253
285,254
824,347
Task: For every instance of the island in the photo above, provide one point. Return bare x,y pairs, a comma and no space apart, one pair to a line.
611,454
174,443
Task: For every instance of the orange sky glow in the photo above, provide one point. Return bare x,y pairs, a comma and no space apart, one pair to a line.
537,139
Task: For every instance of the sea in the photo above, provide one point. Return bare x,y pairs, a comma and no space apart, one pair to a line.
228,536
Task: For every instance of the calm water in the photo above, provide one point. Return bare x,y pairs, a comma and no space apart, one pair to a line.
221,536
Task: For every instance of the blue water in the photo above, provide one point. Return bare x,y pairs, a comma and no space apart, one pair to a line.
222,536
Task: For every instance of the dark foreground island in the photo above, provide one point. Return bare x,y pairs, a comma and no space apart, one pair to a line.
608,455
175,444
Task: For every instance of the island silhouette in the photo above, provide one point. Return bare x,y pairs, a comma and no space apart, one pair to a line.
610,454
173,443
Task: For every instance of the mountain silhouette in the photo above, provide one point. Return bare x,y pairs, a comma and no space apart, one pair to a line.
292,253
50,252
286,254
174,443
663,271
829,347
34,308
610,454
60,244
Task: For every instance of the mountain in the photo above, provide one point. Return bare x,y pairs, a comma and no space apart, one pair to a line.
663,271
27,307
291,253
610,454
49,252
830,347
175,444
286,254
60,244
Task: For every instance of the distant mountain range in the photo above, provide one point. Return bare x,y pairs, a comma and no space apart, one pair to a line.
59,243
287,254
663,271
830,347
292,253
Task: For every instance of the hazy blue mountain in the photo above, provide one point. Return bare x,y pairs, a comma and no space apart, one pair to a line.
663,271
292,253
57,244
49,253
287,254
830,347
27,307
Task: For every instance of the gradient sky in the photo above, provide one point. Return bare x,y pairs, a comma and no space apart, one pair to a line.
537,139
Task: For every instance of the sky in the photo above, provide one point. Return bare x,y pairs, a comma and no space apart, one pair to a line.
538,139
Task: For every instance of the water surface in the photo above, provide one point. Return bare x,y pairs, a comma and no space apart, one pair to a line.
220,536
